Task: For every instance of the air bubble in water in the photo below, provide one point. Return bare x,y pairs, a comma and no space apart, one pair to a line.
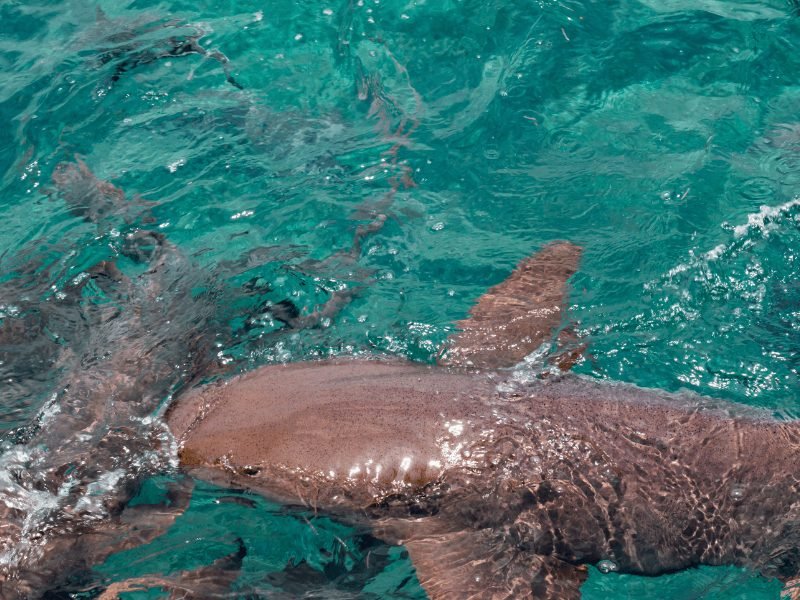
607,566
737,491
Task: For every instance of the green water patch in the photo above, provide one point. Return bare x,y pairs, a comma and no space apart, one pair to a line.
702,583
293,551
289,550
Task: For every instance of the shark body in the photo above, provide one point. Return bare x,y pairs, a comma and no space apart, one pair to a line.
501,489
508,490
498,488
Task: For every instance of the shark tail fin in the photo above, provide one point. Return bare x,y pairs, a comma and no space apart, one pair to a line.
477,564
515,317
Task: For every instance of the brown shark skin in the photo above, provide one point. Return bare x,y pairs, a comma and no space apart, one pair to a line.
94,199
515,317
548,477
336,404
507,494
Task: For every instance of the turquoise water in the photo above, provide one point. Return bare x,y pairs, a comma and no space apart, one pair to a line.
663,137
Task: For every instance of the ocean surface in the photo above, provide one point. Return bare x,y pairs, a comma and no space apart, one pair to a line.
662,136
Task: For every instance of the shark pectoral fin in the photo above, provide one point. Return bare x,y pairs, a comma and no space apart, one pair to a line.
476,564
255,258
212,581
100,15
517,316
324,313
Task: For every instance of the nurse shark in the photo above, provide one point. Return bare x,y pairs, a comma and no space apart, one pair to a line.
498,486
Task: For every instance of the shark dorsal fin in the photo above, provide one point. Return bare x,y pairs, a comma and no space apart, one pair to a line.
515,317
100,15
477,564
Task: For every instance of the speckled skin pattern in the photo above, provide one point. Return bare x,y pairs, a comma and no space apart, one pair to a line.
508,490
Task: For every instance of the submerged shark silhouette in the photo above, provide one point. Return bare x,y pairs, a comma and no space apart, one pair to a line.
498,488
133,340
124,45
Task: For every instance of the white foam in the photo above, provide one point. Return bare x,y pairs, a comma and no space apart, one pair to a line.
764,218
527,370
175,165
36,512
764,221
91,502
716,252
35,504
50,410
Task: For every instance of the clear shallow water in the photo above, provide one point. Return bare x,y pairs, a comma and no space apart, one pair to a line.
651,133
